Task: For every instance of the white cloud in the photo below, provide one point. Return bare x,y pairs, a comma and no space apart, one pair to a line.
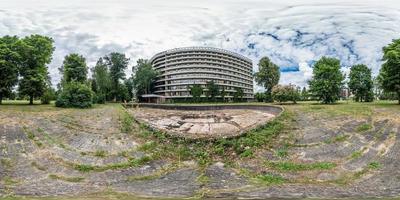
294,33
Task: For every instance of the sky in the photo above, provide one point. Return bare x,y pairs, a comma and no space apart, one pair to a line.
293,33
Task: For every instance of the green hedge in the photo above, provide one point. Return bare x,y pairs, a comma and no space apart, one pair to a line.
76,95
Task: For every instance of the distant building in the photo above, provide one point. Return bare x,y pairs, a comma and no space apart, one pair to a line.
181,68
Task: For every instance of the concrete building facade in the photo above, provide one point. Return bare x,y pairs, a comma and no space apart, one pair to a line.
181,68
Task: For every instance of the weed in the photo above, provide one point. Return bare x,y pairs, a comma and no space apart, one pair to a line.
282,152
130,163
6,162
289,166
246,153
374,165
100,153
339,138
126,121
364,127
9,181
270,179
356,154
37,166
67,179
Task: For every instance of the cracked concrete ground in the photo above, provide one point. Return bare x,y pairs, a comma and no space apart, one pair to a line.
203,124
44,152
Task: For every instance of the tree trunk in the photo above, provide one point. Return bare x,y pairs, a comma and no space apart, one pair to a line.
1,97
31,100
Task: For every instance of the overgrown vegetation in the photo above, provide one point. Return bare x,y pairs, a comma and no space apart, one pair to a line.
364,127
290,166
167,146
67,179
131,163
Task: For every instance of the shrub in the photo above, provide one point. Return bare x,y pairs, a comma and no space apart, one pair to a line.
99,98
47,97
75,95
260,97
283,93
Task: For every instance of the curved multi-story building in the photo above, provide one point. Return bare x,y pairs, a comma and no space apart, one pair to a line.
181,68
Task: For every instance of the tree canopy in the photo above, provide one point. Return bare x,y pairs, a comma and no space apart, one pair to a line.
327,80
102,81
283,93
389,75
268,74
36,52
9,61
212,90
74,68
196,91
144,77
360,83
117,63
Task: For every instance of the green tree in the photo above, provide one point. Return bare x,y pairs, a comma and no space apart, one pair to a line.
101,78
9,61
327,80
212,90
304,94
117,63
268,75
36,52
144,77
260,96
284,93
223,93
74,68
389,75
196,91
238,95
129,86
75,94
360,83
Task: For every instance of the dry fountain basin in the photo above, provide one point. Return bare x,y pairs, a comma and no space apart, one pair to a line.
204,121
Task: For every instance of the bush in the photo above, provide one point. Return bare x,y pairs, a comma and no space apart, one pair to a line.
283,93
260,97
75,95
99,98
47,96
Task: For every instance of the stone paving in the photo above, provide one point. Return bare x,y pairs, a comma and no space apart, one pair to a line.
37,149
203,124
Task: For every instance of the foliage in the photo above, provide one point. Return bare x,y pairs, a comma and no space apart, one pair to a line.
74,68
271,179
212,90
144,77
268,74
364,127
389,75
36,52
101,83
327,80
9,60
223,93
48,96
360,83
117,63
260,97
129,87
284,93
196,91
289,166
304,96
238,95
204,151
75,94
